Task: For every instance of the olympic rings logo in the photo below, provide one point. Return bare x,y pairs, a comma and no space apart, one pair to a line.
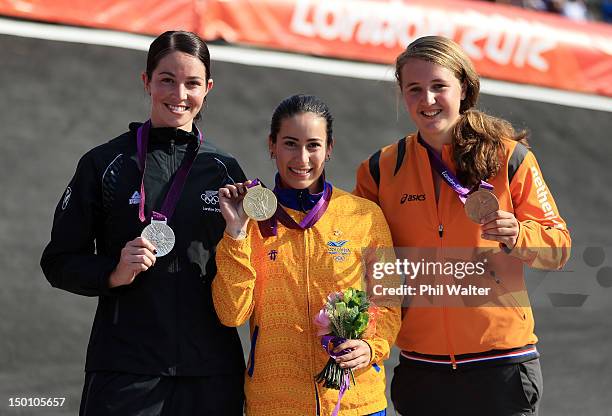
210,197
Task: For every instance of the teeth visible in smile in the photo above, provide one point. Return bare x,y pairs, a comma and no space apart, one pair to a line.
300,171
177,107
431,113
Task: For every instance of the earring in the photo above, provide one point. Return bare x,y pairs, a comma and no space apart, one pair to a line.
272,156
327,158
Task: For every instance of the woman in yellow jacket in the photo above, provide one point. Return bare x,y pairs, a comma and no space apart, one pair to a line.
279,273
473,360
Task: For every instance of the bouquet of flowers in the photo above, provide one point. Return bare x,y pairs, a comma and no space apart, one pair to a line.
345,315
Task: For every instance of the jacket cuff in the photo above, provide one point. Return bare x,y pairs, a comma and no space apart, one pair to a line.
232,245
104,282
520,251
378,352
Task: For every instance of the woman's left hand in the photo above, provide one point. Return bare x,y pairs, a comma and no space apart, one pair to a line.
501,226
359,356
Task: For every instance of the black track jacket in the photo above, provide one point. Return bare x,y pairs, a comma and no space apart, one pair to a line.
163,323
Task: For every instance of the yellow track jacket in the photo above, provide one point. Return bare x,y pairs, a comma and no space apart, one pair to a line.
281,283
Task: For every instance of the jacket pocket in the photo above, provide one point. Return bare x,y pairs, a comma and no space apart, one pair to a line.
517,308
251,367
513,303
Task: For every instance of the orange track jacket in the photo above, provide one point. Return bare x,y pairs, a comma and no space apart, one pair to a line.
406,195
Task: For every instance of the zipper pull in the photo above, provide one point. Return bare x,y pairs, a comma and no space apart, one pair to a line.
453,361
440,230
171,146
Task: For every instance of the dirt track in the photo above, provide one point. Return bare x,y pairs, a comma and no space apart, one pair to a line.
61,99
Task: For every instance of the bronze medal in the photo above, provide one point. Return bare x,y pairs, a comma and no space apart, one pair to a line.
480,204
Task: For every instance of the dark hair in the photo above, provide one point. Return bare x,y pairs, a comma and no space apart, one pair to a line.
477,144
299,104
177,41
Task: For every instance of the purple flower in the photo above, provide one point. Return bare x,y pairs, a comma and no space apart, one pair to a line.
332,297
322,323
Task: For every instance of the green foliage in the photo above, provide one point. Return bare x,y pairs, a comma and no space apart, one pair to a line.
348,314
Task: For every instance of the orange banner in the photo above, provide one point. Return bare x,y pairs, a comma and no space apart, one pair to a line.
150,17
505,43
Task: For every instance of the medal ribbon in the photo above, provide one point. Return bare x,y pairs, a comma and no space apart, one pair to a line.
269,227
449,177
180,177
346,381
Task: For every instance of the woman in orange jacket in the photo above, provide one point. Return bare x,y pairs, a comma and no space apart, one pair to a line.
465,180
280,272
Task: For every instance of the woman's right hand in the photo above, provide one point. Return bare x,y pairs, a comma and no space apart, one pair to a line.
137,256
230,202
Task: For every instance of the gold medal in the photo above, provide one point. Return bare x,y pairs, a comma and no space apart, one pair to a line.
480,204
259,203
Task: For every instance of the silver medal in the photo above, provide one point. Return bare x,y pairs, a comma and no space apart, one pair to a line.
160,235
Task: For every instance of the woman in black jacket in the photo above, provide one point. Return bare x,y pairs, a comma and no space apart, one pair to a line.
137,227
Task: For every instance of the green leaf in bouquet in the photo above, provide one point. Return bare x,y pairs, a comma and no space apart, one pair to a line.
340,308
348,294
362,300
360,324
352,313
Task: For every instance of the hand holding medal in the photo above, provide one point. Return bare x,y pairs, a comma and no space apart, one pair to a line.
137,256
230,203
243,201
501,226
482,207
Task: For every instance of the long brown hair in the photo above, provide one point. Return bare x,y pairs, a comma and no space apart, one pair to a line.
477,139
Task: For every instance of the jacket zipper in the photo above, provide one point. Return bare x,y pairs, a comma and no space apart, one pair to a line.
445,319
312,371
173,268
449,344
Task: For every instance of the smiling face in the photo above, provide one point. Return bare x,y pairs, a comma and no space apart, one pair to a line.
300,149
177,87
432,96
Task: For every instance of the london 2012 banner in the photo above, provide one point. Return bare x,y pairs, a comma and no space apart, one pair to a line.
505,42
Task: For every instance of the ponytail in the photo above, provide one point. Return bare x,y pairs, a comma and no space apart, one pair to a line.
478,145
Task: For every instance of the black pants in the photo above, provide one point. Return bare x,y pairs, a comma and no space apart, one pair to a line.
428,390
121,394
